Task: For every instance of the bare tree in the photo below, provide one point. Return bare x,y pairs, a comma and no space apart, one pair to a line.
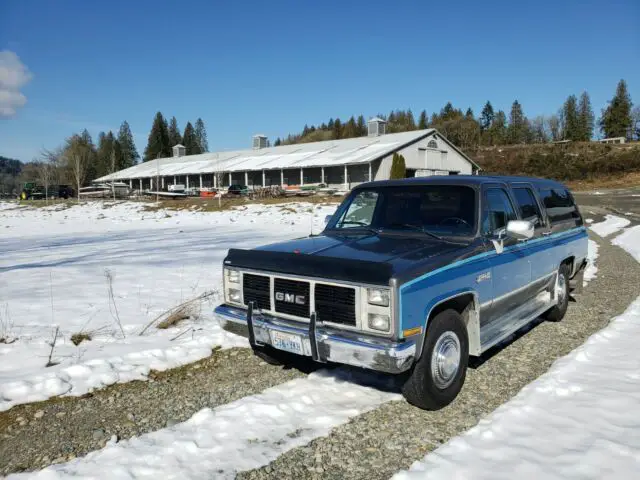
635,122
45,173
218,175
78,164
555,127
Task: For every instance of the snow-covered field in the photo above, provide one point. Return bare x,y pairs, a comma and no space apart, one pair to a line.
55,265
238,436
579,420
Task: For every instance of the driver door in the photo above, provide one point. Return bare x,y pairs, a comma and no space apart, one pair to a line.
511,269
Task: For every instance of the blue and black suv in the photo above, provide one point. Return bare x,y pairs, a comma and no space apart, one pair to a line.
413,276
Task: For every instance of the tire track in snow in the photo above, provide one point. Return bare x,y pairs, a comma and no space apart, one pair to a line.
242,435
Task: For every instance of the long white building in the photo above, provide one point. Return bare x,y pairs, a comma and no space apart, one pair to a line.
337,163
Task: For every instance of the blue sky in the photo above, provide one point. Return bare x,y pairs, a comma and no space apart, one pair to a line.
271,67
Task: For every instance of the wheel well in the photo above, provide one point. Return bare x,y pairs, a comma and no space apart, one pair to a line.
569,261
466,305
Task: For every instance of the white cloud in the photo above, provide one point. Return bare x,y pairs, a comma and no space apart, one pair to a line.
13,76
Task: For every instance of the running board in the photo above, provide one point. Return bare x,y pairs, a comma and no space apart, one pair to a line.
502,328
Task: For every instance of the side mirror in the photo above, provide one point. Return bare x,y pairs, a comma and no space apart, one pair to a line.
520,229
327,219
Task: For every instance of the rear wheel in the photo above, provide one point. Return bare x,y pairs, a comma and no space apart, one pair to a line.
561,292
438,376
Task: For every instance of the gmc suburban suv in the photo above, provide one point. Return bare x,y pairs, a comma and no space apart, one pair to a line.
413,276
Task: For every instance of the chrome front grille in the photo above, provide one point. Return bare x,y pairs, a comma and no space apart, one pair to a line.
335,304
292,297
257,288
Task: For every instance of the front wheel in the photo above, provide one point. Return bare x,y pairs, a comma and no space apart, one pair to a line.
438,376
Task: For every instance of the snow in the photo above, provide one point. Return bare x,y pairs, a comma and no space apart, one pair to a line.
238,436
53,273
610,225
630,241
592,255
579,420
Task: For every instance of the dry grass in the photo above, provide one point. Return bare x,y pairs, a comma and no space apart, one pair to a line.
615,181
78,338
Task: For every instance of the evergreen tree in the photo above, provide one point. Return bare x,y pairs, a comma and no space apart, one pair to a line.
330,124
498,129
201,136
174,133
128,152
398,167
350,129
190,141
486,116
422,121
469,114
106,148
337,128
278,142
158,142
616,118
517,130
362,126
448,112
585,118
571,126
410,122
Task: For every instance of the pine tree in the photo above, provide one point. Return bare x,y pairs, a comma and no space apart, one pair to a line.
517,130
201,136
498,129
585,118
278,142
469,114
422,121
410,122
128,153
398,167
337,129
571,126
350,129
616,118
106,148
190,141
174,133
158,142
486,116
362,126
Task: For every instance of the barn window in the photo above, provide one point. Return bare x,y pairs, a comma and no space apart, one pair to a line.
432,144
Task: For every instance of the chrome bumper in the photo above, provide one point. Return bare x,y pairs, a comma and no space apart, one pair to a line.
324,343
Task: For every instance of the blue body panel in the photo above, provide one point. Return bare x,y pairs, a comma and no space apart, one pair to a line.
516,266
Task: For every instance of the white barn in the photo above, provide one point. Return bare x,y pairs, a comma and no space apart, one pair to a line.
337,163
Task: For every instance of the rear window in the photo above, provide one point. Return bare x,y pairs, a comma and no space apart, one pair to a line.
559,205
527,205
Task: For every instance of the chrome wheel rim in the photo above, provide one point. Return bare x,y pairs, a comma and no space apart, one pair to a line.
561,288
445,360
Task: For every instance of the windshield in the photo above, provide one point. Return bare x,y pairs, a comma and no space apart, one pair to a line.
443,210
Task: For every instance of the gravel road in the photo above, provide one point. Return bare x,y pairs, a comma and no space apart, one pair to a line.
373,445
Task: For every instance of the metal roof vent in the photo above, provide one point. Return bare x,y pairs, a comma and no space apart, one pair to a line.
179,150
260,141
376,127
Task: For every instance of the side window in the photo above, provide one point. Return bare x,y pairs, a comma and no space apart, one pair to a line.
527,205
498,210
559,205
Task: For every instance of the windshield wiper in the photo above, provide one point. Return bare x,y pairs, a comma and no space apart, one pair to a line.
359,224
418,228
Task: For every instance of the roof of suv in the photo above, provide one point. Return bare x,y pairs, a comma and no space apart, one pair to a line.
462,180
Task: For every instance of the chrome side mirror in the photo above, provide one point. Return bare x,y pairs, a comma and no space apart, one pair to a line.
520,229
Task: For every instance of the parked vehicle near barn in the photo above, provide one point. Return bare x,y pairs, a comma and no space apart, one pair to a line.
36,191
238,190
414,276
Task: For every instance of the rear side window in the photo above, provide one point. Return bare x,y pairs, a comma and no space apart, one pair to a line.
527,205
559,205
498,211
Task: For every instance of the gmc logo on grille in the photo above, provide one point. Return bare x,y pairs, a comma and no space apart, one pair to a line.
290,298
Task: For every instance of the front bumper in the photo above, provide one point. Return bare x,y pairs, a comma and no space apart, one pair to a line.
324,343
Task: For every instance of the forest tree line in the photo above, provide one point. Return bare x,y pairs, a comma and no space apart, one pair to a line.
574,121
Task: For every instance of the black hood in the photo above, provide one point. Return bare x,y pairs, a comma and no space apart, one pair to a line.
365,258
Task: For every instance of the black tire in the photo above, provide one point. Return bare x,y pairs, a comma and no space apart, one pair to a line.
558,312
422,389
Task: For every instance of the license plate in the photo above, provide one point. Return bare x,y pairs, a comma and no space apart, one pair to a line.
287,341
